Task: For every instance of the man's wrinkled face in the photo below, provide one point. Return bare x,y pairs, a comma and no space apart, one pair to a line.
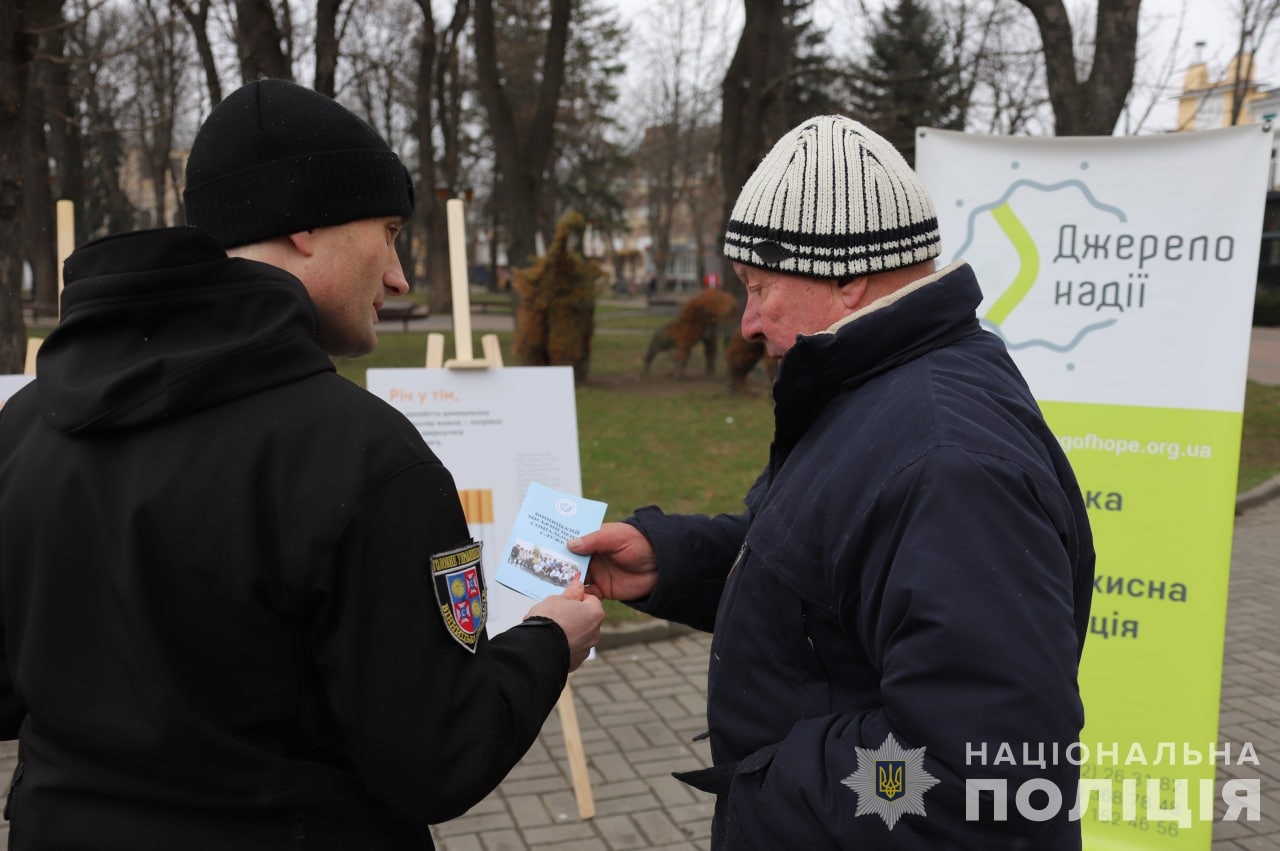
780,307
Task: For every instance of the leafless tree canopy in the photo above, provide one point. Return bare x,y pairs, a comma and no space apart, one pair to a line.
516,103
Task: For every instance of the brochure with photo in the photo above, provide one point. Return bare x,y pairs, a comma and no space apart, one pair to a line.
536,561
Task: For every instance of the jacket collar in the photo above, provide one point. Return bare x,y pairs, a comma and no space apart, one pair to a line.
919,318
158,324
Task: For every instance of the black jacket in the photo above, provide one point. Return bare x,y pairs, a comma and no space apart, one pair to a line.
219,626
916,561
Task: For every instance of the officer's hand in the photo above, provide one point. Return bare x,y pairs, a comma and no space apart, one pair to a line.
623,565
578,615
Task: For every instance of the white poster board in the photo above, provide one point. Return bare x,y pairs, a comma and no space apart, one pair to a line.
10,384
496,430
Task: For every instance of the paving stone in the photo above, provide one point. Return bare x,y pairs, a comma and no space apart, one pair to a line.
580,845
623,789
466,842
684,814
628,804
1261,843
558,833
620,832
528,811
503,840
476,823
671,792
658,827
561,804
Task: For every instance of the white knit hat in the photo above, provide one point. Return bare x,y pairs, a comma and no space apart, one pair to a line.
832,200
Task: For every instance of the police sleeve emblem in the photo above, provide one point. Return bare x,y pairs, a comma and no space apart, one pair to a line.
460,593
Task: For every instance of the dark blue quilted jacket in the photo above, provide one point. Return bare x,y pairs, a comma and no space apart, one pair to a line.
915,562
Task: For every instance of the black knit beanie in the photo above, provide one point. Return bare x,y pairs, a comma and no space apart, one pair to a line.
275,158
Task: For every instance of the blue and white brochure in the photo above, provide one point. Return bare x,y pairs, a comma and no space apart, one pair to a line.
536,561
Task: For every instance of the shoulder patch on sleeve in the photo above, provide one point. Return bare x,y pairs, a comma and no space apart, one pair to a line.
460,593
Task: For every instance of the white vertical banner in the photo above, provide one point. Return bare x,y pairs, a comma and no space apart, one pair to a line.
1120,272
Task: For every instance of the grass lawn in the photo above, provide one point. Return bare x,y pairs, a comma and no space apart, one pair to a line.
692,446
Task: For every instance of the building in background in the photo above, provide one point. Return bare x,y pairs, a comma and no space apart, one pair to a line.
1207,103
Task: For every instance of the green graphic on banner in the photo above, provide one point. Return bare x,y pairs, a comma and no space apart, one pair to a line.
1160,485
1028,264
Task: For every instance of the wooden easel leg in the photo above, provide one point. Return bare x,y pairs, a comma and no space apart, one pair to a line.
33,346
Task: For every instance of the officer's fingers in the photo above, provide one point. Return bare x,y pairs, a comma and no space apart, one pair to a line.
575,591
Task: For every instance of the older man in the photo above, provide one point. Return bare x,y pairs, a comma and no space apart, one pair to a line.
909,585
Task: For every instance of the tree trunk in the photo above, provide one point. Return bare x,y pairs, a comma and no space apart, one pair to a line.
1090,107
429,209
66,147
40,237
436,106
521,157
260,40
17,51
198,19
742,141
327,46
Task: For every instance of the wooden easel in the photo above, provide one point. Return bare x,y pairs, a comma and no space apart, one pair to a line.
464,359
66,242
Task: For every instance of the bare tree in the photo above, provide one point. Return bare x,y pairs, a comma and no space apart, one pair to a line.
678,105
377,84
522,144
743,103
100,35
262,41
66,149
327,41
39,218
438,101
1001,65
17,51
779,75
196,14
1090,106
159,63
1254,18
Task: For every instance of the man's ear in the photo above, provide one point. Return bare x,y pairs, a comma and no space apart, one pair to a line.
853,293
304,242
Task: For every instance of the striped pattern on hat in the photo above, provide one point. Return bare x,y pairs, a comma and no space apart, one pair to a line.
832,200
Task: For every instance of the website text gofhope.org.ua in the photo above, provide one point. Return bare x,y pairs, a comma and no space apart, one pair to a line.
1122,446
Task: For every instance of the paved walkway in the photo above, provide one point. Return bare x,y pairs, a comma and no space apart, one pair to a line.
1264,355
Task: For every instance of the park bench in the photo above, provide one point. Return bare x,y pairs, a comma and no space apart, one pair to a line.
402,310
